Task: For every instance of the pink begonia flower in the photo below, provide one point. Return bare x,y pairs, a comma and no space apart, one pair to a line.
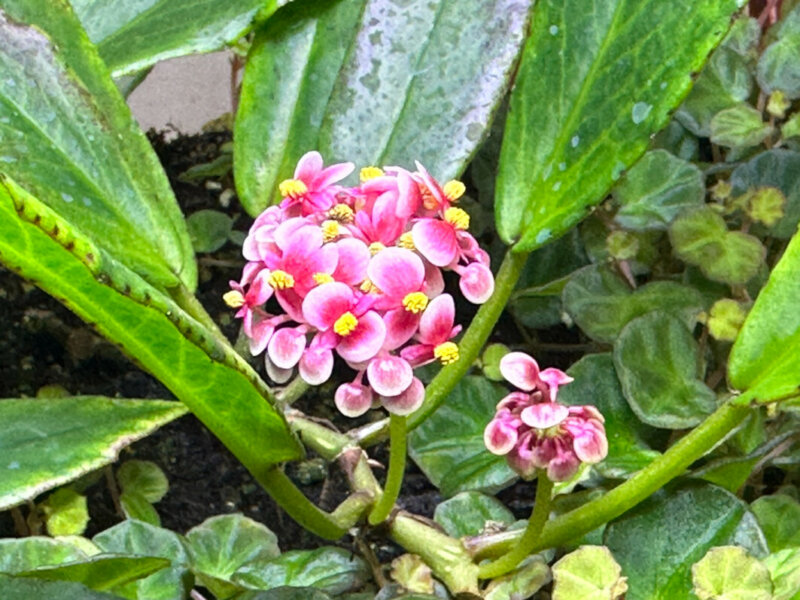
389,375
436,329
356,332
312,189
535,432
316,364
286,346
302,259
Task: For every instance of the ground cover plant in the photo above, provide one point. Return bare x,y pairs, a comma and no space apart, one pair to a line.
443,194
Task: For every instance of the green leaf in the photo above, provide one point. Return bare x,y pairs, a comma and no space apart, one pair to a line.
773,168
602,303
467,513
286,593
66,513
101,573
141,539
740,126
589,573
596,383
422,81
375,82
592,88
144,477
69,139
784,569
523,582
15,588
209,230
132,36
24,554
656,359
765,359
729,573
779,518
331,570
725,81
657,543
197,364
449,448
45,443
222,545
778,68
291,68
136,506
658,188
701,238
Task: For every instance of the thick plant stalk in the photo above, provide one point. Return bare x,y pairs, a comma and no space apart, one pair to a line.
397,467
627,495
526,544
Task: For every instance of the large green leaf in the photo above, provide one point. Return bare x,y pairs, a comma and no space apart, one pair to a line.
657,543
141,539
291,68
448,446
134,35
593,86
21,588
47,442
765,359
394,83
201,370
468,513
67,136
101,572
657,359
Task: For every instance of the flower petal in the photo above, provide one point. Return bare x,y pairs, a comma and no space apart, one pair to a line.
544,415
476,283
277,374
326,303
389,375
365,341
520,370
354,257
554,378
286,347
396,272
401,325
408,401
331,175
309,165
500,436
436,323
435,240
316,365
352,399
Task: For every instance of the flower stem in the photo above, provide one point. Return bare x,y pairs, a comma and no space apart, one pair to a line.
397,467
468,348
525,546
627,495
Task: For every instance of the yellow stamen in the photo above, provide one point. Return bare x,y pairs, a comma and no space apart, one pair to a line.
281,280
346,324
454,189
415,302
375,247
341,213
368,287
233,299
330,231
292,188
446,352
321,278
406,241
368,173
457,218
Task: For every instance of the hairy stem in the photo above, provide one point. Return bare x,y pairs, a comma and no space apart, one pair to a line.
627,495
526,544
469,347
397,467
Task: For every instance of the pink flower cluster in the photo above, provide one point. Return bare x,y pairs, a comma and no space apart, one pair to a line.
358,271
535,432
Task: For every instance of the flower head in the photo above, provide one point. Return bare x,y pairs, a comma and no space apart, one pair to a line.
534,431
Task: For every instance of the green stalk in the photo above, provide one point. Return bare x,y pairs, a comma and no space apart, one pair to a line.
526,544
627,495
300,508
468,348
397,468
